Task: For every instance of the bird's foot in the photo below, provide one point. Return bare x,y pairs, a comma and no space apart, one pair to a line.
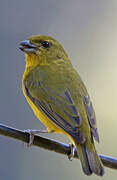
72,152
32,133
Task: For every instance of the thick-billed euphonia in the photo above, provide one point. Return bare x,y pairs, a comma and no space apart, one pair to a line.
59,98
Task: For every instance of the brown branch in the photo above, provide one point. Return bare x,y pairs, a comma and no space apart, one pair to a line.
50,144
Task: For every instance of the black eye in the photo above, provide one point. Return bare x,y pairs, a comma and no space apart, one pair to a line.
46,44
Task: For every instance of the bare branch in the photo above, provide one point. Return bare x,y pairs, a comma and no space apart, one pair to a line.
50,144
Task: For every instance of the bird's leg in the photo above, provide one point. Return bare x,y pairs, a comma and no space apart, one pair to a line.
72,152
33,132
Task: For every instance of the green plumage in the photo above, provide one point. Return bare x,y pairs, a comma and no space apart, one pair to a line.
57,90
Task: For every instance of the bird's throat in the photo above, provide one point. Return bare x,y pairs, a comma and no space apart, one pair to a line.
33,61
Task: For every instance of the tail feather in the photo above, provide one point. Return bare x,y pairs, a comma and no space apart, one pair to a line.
95,162
90,161
84,160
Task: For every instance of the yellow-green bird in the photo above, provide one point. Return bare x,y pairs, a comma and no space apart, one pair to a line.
59,98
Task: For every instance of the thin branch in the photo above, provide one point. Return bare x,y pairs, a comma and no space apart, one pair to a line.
50,144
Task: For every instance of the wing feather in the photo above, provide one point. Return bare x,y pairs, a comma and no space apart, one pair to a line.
62,107
91,116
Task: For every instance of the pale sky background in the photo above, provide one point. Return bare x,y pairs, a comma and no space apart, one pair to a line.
88,31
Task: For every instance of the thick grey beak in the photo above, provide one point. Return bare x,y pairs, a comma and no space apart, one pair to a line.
27,47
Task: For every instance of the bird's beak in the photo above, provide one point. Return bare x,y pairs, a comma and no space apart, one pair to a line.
27,47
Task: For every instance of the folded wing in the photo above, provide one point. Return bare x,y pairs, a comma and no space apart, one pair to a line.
59,108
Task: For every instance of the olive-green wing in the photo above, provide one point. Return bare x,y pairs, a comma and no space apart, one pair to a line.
91,116
59,108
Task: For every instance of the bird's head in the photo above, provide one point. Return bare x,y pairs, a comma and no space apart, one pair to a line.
41,49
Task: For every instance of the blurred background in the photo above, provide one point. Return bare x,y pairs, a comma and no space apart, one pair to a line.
88,31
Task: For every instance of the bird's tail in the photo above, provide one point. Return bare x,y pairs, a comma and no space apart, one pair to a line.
90,161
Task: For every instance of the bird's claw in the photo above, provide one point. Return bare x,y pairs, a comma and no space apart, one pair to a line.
32,133
31,137
72,152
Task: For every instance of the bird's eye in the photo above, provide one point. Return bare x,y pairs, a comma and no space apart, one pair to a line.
46,44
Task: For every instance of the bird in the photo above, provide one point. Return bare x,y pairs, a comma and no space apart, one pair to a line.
59,98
